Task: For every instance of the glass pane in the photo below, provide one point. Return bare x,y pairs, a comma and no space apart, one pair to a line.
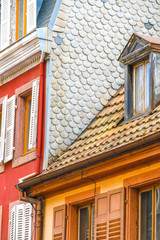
158,214
146,215
84,224
139,89
147,90
21,19
28,121
93,214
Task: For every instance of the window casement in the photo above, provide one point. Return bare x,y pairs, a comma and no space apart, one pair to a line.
21,222
149,213
86,216
26,122
25,17
26,11
100,217
141,87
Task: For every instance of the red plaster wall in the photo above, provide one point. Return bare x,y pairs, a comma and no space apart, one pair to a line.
10,176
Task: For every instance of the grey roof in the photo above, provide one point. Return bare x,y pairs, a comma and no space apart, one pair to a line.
88,37
45,13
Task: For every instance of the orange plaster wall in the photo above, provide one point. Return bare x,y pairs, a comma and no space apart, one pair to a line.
103,186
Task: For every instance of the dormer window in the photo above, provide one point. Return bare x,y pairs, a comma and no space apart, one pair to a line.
141,58
141,89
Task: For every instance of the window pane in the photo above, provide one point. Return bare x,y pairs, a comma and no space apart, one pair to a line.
93,214
147,90
84,224
21,19
158,214
139,89
146,216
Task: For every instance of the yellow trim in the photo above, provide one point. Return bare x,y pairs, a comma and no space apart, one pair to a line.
142,63
26,124
17,18
28,152
25,17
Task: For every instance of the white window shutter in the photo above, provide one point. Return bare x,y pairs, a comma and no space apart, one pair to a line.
13,224
28,221
20,221
3,128
5,23
34,115
31,15
10,129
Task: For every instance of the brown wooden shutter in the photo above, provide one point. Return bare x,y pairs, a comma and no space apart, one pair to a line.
116,214
101,216
59,222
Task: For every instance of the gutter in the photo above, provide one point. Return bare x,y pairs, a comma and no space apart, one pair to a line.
65,169
38,203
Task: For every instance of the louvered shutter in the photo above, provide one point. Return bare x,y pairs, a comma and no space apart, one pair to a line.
28,221
59,222
116,214
10,129
5,23
13,224
34,115
3,128
101,216
20,222
31,15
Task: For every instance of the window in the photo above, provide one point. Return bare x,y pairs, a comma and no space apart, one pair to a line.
149,220
86,216
25,19
21,18
21,222
141,87
27,122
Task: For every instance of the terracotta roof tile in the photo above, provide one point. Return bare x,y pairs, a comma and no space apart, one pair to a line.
109,131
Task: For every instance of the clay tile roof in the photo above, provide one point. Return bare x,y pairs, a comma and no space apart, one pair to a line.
108,131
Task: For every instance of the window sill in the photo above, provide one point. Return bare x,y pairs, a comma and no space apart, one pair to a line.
24,159
2,167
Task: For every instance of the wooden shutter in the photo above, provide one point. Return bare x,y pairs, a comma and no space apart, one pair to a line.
13,224
10,129
0,221
20,222
34,115
59,222
31,15
28,221
3,128
5,23
101,216
116,214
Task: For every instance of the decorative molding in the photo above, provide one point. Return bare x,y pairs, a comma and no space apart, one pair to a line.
20,57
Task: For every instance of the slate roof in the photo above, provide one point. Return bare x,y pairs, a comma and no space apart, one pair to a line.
109,131
88,37
45,13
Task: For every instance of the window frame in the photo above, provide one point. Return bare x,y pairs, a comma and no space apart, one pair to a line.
142,190
143,63
20,158
90,205
24,18
133,186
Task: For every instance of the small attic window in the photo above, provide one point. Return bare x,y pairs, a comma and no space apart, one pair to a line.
141,90
141,57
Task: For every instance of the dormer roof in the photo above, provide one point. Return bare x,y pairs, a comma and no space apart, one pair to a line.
138,47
